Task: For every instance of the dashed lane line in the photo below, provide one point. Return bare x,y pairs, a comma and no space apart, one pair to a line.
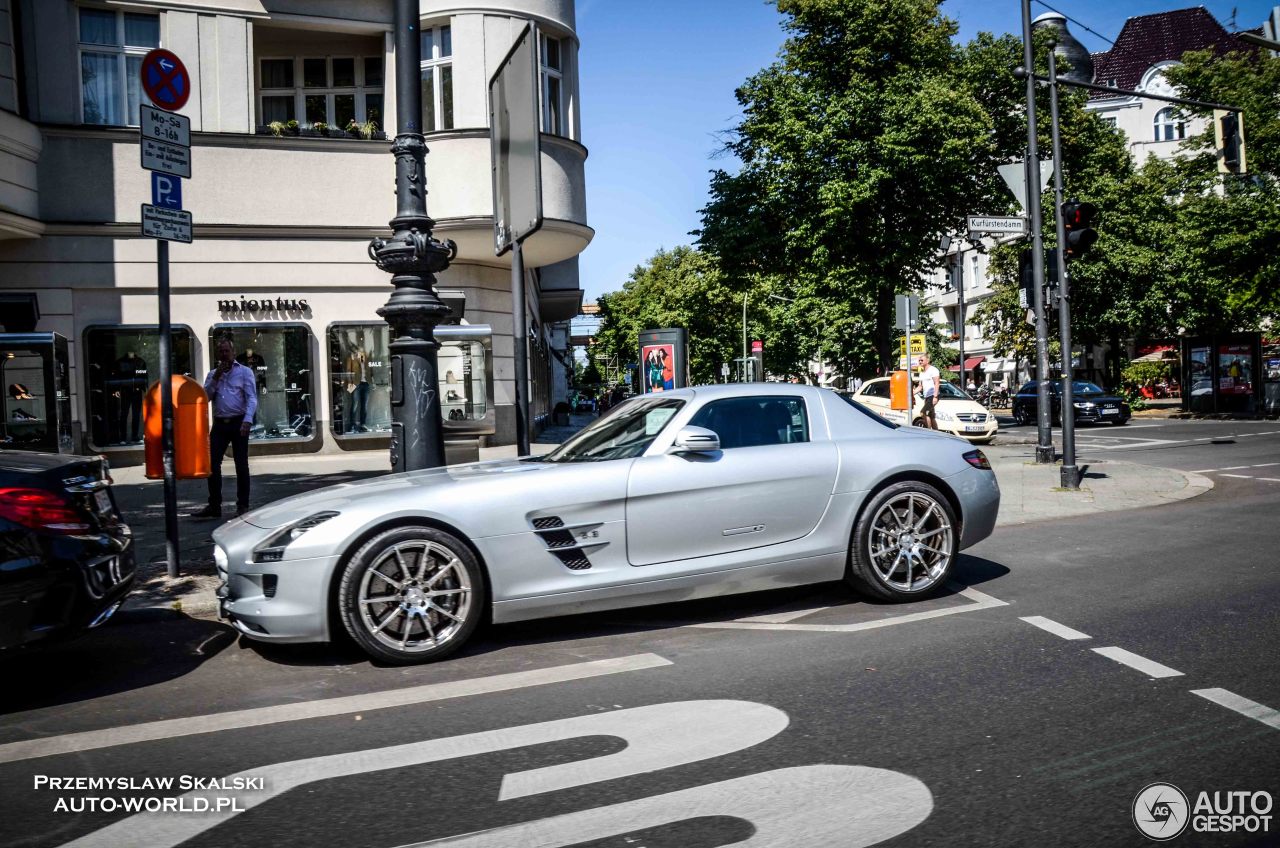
1250,709
1235,467
1239,476
1270,479
1142,664
192,725
1055,628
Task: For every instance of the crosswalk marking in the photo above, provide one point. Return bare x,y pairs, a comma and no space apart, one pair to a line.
192,725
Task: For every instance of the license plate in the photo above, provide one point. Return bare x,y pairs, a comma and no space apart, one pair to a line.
103,500
1110,412
974,428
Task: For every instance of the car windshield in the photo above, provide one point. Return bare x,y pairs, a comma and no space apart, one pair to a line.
949,391
1083,387
625,432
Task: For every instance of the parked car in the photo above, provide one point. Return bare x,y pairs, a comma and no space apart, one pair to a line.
1092,404
956,412
66,557
685,494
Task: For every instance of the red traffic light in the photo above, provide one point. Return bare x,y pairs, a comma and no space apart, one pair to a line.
1077,221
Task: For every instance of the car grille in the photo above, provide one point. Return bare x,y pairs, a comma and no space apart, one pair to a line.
972,417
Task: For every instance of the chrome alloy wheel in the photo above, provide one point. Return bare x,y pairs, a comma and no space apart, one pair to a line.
415,597
910,542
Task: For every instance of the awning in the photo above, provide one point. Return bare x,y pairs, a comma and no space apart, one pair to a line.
971,363
1162,355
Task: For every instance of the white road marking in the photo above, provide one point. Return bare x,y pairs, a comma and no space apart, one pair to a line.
1235,467
784,617
1132,444
1244,706
1270,479
1206,471
659,736
1239,476
1142,664
1054,627
979,602
1265,464
192,725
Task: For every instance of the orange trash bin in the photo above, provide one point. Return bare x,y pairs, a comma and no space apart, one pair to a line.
899,391
190,430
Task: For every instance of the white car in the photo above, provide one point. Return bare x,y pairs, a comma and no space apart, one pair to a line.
957,413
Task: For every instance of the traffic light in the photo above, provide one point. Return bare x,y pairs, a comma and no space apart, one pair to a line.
1077,221
1228,134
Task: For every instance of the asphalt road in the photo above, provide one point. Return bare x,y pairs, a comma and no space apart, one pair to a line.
800,717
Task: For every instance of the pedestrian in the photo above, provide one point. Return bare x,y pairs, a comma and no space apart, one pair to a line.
972,386
233,397
857,384
930,380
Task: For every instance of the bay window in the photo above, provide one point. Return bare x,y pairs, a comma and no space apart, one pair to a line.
112,46
437,78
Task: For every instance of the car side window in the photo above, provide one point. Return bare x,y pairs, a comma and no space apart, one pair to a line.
747,422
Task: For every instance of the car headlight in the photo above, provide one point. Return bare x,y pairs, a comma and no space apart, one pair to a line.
272,550
1084,405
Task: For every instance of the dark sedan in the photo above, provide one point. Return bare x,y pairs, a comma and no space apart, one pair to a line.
1092,404
66,557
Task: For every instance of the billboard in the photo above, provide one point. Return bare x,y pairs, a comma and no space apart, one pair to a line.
664,360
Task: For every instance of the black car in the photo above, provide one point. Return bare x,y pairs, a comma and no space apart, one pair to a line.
66,557
1092,404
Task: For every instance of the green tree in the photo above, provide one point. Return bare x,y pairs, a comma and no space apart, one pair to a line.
676,288
870,137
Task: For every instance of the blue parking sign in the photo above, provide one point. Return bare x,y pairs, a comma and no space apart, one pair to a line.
166,190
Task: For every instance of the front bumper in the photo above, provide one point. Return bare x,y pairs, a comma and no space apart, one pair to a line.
285,601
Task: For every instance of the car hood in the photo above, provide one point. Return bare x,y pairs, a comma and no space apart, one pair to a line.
334,498
1092,398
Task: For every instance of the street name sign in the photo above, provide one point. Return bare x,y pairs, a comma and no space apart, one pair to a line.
168,224
988,224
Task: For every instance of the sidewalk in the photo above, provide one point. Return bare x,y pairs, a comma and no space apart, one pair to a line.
1030,492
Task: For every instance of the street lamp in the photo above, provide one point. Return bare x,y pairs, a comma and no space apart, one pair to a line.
413,258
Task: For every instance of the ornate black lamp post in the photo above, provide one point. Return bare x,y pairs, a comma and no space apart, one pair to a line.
413,257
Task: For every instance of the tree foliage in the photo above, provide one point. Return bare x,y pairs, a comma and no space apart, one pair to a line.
870,137
675,288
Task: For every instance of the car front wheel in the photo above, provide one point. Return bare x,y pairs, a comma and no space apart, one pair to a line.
904,543
412,595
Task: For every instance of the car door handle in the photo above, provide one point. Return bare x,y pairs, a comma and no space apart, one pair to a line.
738,531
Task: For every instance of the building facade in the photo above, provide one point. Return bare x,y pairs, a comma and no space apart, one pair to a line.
291,107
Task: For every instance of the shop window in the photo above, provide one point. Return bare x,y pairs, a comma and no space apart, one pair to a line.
359,379
280,356
121,363
464,386
35,374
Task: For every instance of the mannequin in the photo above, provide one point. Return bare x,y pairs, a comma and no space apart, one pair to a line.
131,384
359,375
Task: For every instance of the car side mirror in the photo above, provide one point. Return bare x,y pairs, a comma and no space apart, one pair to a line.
696,440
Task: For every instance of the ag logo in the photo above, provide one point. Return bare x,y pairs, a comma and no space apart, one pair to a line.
1161,811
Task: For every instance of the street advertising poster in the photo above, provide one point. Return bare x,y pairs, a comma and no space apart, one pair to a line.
657,367
1235,367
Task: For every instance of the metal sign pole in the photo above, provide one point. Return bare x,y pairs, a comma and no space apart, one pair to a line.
172,552
1070,477
1044,434
519,341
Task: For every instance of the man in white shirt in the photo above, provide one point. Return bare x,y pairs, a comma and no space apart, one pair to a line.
929,381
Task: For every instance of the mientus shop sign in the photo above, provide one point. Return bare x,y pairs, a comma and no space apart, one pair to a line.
250,305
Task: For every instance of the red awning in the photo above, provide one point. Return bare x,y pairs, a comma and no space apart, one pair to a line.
971,363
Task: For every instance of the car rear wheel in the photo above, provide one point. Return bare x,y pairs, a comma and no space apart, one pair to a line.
1020,415
412,595
904,543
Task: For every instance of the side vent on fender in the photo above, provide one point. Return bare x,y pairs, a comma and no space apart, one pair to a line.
568,543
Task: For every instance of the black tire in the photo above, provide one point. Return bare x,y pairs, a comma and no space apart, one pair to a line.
1020,416
424,560
864,573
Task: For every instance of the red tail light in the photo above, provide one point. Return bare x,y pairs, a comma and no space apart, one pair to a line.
978,459
41,510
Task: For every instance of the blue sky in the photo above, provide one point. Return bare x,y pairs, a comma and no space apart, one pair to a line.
657,91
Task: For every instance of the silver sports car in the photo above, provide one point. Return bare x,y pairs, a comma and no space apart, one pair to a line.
684,494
